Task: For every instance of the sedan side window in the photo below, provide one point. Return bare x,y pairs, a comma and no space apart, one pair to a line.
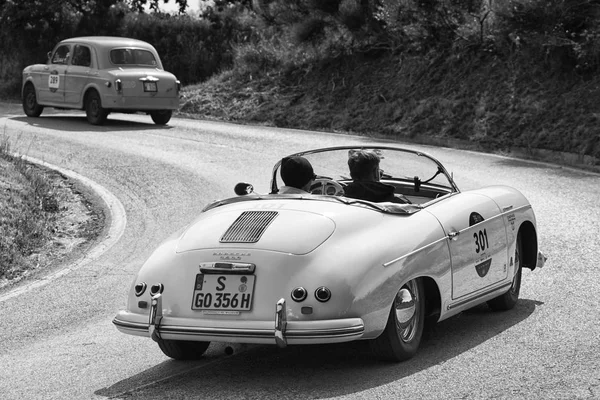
82,56
61,55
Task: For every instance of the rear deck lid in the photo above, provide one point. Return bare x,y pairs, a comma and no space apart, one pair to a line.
287,231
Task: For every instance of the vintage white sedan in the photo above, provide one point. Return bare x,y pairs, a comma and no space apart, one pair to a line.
101,75
321,267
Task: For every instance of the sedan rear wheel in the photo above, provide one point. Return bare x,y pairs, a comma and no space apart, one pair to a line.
96,115
183,349
402,335
161,117
30,104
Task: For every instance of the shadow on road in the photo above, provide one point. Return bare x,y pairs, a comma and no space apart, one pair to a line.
79,123
267,372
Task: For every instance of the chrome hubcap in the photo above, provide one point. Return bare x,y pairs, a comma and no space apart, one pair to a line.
406,305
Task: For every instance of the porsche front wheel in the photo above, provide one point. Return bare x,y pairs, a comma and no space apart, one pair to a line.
402,335
183,349
509,299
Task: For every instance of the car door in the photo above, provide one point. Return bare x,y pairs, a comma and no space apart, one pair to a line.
52,85
477,241
78,74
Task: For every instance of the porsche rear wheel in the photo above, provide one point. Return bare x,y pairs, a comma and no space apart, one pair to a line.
402,335
509,299
161,117
96,115
30,104
183,349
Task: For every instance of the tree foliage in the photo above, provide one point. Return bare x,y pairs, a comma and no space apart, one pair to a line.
262,34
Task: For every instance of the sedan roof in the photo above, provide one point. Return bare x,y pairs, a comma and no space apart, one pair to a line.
108,41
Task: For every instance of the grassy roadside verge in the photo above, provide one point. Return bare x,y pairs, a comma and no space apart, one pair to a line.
45,219
509,105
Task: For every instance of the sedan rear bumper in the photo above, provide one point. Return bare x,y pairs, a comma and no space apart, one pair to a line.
140,103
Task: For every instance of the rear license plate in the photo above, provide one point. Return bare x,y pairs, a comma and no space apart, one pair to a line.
223,292
150,87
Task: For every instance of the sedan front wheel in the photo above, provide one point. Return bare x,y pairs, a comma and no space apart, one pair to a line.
402,335
30,104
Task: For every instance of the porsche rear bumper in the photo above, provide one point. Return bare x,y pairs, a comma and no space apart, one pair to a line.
262,332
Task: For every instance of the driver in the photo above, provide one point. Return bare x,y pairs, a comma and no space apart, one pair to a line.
297,174
365,172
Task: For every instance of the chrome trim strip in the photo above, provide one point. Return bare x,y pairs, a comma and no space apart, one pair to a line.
387,264
227,267
225,332
136,326
463,302
335,332
500,215
513,210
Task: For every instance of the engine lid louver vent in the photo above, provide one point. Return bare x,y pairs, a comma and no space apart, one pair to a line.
248,227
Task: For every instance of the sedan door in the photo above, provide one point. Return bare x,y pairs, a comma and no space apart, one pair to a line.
78,74
52,85
477,241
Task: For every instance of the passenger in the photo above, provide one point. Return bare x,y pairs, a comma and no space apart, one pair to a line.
297,175
365,173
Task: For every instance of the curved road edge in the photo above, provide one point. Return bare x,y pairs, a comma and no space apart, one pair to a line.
118,221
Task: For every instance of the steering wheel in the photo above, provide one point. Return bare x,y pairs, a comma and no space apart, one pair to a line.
327,186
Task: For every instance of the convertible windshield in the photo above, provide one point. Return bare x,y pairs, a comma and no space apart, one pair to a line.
413,180
412,175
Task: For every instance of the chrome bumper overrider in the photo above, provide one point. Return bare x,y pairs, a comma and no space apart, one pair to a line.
283,332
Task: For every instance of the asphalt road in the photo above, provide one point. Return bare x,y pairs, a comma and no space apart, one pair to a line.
57,340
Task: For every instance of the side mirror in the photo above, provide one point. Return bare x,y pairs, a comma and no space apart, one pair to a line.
242,189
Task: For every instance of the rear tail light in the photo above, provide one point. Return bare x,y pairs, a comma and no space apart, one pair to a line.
299,294
118,85
156,289
323,294
140,288
178,86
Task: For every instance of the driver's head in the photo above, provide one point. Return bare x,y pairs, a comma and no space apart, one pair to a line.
297,172
364,165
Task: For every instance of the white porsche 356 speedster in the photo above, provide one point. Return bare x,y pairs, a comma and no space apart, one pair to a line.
321,267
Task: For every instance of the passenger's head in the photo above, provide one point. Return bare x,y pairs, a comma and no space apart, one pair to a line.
364,165
297,172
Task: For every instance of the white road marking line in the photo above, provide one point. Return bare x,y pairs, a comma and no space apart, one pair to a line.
118,221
